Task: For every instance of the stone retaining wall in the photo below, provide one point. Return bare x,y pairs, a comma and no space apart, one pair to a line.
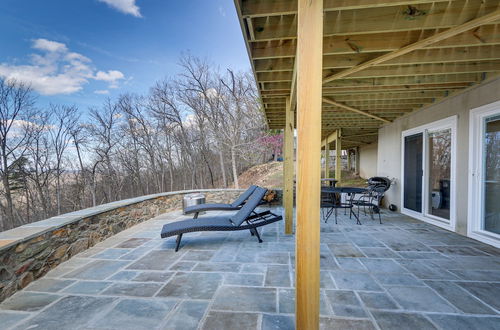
30,251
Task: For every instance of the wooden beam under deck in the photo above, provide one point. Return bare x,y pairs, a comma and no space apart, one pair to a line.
379,20
288,167
340,105
264,8
466,26
421,56
485,35
389,57
338,158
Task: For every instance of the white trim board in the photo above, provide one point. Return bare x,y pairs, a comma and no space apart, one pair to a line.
475,198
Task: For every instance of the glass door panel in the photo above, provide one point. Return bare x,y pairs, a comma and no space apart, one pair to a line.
413,172
491,174
439,173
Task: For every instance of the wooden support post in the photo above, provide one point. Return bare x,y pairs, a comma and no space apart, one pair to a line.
349,160
327,160
288,167
309,90
356,170
338,158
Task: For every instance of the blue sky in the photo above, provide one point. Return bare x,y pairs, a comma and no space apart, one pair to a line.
82,51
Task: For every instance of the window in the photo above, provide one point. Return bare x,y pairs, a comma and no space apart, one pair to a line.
484,176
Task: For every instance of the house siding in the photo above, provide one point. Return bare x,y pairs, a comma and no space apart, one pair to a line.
389,141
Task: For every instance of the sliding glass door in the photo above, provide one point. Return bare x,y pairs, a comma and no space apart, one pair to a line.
484,178
428,172
491,177
439,173
413,172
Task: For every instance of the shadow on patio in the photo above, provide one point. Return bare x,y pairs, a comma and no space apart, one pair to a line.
401,272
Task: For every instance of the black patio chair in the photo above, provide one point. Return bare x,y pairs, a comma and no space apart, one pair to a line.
378,181
371,199
245,219
234,206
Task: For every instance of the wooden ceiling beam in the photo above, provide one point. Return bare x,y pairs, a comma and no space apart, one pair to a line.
389,95
488,18
422,56
283,88
370,102
361,135
485,35
424,70
393,71
264,8
340,105
329,139
380,20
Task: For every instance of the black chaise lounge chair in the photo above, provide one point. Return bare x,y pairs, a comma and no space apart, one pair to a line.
245,218
234,206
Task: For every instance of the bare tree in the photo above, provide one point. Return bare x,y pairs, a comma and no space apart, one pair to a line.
65,119
16,112
195,130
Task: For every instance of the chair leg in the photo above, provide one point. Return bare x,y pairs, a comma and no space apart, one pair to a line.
196,215
379,217
256,232
251,232
178,242
335,215
357,218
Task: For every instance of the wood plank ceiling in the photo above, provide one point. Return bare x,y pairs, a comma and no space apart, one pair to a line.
443,55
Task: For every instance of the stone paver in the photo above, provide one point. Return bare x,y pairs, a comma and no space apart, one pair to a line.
401,274
187,315
224,320
245,299
28,301
192,286
135,314
68,312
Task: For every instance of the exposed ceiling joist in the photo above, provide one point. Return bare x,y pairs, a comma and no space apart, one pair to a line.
263,8
491,17
340,105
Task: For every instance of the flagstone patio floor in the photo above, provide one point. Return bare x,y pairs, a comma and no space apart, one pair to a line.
402,274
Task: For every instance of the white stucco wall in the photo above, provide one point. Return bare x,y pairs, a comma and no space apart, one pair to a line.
368,161
389,141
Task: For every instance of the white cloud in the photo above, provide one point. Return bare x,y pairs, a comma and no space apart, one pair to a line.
57,70
49,46
101,91
112,77
124,6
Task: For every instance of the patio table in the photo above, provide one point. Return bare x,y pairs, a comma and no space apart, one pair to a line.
331,192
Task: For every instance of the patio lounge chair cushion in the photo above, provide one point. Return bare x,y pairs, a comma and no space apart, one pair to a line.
243,197
207,224
247,209
211,207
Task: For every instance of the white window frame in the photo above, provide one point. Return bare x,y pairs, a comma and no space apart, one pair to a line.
446,123
475,204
